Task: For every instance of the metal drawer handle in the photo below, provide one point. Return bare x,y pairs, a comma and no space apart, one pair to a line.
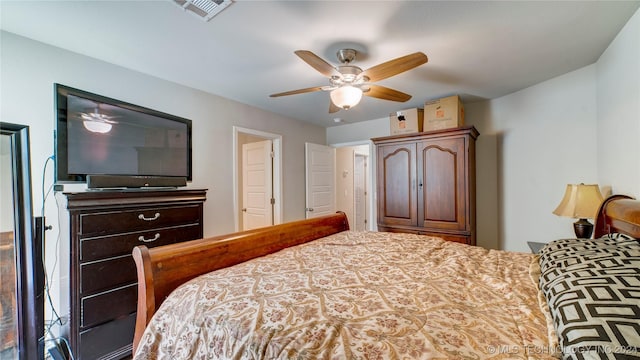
155,217
156,237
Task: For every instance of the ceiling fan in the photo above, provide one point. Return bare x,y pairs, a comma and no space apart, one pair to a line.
347,83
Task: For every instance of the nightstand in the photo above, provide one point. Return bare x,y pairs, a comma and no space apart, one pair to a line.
535,246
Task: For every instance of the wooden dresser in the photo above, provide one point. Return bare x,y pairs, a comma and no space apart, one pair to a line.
103,228
426,183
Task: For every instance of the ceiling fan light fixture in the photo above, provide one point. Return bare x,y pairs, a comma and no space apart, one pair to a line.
347,83
97,126
346,97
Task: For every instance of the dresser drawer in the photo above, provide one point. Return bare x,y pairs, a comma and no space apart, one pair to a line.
106,274
114,222
100,308
111,340
105,247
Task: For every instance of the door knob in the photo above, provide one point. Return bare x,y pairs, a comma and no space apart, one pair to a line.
244,210
309,209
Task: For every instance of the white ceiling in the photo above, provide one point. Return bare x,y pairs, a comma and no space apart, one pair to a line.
477,49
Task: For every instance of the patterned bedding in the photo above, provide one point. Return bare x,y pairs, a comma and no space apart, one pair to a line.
357,295
593,291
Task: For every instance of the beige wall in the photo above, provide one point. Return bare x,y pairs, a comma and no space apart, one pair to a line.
529,149
618,80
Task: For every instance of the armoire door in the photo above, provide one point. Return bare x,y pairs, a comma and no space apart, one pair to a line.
442,184
397,196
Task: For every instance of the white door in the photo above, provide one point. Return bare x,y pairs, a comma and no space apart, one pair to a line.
360,192
320,180
257,208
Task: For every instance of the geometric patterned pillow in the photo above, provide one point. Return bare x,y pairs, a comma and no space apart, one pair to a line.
619,236
592,287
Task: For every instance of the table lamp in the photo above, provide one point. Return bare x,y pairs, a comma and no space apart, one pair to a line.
580,202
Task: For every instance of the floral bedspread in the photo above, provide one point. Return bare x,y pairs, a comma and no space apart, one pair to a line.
357,295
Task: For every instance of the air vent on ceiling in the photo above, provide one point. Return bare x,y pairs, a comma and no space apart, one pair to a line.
205,9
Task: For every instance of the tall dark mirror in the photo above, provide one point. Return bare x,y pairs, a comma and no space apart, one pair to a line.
21,306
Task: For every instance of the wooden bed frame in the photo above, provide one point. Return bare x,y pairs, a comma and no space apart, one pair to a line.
164,268
618,214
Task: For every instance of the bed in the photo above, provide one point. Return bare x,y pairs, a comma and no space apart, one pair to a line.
313,289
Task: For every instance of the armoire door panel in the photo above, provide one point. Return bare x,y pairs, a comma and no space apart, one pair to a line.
441,200
439,186
398,185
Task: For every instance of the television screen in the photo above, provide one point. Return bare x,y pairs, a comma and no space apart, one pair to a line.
96,135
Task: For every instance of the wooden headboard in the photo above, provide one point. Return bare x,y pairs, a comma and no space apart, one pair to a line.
164,268
618,214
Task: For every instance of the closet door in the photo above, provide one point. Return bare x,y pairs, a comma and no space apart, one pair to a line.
442,188
397,184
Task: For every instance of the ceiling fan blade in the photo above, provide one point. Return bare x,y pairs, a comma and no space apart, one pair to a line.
386,93
333,108
317,63
299,91
395,66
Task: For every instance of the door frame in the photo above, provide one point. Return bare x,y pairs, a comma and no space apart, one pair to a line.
367,195
372,225
277,173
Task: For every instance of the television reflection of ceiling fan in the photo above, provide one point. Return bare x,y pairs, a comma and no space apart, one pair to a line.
347,83
97,121
96,115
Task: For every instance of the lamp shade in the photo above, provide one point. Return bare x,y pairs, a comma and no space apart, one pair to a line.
580,201
346,96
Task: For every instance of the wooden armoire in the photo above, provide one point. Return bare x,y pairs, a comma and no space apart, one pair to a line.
426,183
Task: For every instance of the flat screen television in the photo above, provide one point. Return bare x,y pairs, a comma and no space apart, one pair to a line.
99,136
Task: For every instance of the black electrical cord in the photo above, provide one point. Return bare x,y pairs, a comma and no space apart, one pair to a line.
57,319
